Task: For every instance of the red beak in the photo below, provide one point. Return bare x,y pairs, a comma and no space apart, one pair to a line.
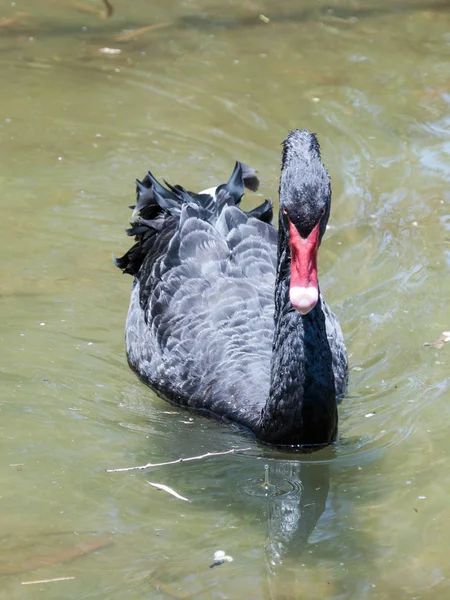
304,286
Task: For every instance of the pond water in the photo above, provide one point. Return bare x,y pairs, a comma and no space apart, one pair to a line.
208,84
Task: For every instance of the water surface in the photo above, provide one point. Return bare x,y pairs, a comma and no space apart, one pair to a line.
215,82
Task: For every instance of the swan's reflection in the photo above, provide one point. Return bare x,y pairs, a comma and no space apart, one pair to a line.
292,506
293,516
289,509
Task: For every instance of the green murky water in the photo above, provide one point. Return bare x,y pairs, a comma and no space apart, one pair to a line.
368,518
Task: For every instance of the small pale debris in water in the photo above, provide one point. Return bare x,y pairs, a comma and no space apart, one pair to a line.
166,488
220,557
369,414
110,50
39,581
264,19
443,339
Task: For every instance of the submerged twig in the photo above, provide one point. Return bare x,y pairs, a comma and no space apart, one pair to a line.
90,10
62,556
135,33
17,19
109,9
178,460
166,488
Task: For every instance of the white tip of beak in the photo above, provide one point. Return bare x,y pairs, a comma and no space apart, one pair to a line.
303,299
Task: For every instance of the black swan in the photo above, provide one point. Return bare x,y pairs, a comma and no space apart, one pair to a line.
222,321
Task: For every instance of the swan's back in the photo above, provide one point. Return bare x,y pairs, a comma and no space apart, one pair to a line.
200,323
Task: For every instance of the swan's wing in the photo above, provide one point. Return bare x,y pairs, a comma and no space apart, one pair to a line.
338,349
204,338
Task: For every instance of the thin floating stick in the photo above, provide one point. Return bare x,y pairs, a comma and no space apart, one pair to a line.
166,488
178,460
47,580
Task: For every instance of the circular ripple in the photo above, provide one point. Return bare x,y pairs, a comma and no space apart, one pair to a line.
268,486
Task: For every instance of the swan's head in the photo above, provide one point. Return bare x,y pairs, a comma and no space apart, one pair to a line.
305,198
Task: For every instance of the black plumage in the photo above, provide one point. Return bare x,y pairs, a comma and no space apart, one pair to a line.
211,325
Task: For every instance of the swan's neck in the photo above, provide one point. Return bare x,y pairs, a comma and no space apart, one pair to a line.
301,408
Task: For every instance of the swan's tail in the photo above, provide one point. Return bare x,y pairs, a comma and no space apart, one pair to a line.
153,198
157,210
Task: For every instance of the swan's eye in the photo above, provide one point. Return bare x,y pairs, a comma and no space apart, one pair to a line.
323,211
